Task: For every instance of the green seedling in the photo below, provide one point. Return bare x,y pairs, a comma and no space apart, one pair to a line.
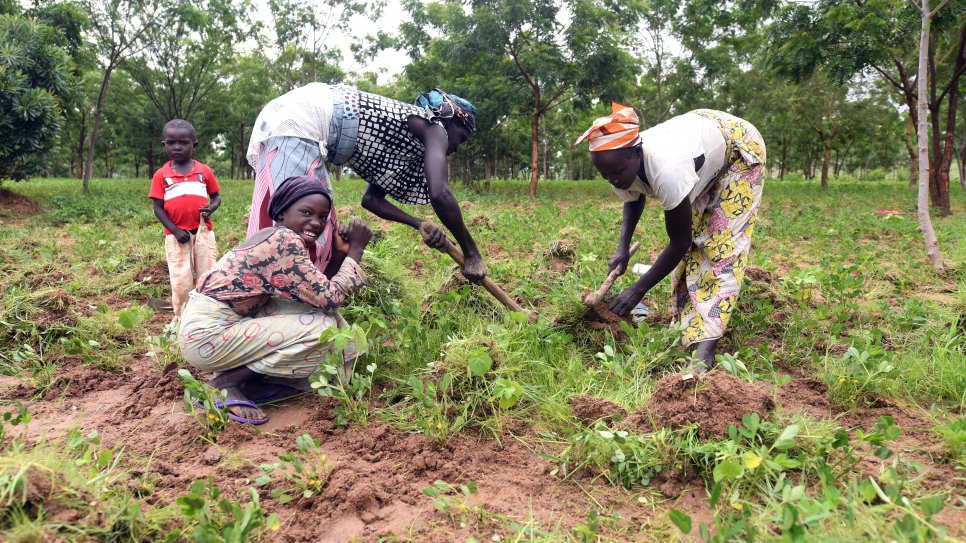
307,468
220,520
865,374
209,416
339,379
455,502
432,413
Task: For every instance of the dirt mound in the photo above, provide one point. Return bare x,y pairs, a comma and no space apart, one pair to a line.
713,401
155,274
601,318
589,410
808,395
153,389
78,379
760,274
16,206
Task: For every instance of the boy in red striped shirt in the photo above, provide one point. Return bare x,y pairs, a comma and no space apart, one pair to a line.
181,191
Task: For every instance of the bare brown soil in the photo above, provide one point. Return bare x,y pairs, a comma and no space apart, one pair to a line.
375,489
589,410
600,317
712,401
16,206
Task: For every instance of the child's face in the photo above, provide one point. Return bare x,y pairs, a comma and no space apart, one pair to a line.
306,217
179,143
618,166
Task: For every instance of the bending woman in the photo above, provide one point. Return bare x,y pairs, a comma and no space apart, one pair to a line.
260,310
707,169
399,149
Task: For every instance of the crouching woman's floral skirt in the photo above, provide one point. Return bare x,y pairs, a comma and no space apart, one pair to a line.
281,340
707,282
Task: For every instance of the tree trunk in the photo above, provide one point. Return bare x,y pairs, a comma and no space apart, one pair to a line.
781,167
825,162
961,158
151,168
534,151
925,222
913,157
88,169
80,149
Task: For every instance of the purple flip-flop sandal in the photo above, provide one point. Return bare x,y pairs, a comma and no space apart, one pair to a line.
234,417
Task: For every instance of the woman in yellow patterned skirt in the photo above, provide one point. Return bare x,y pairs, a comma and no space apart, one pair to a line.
707,169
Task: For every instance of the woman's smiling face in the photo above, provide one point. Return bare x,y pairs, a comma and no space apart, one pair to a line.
306,217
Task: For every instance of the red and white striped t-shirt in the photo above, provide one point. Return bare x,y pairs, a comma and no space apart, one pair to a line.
183,195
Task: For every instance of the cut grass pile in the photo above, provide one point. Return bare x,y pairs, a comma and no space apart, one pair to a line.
858,349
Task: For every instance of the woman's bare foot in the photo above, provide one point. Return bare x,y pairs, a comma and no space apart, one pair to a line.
232,382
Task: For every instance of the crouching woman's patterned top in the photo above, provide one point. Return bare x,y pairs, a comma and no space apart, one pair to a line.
264,306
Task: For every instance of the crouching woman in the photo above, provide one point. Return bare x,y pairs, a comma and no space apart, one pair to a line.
256,316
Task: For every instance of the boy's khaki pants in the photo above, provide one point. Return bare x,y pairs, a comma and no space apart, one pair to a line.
187,262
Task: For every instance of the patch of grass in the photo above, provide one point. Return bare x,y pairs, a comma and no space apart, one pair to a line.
848,292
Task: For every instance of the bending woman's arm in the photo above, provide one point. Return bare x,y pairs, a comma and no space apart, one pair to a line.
295,277
677,221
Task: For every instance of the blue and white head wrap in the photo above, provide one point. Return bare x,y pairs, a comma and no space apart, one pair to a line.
448,106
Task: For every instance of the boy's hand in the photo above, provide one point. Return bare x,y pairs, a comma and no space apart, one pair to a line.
183,236
207,210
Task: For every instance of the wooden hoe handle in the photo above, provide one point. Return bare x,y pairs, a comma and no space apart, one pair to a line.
595,298
488,283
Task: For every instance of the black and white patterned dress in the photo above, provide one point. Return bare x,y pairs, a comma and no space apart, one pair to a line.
387,154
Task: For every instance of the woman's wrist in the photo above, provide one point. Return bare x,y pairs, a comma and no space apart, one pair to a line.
355,254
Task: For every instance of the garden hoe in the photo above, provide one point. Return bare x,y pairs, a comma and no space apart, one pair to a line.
488,283
594,298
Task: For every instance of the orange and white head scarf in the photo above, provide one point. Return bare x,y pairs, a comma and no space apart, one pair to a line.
616,131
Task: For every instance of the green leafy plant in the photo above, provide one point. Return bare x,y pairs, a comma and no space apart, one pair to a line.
801,284
455,502
307,468
212,418
220,520
587,533
15,418
953,430
862,377
339,379
132,317
433,406
507,392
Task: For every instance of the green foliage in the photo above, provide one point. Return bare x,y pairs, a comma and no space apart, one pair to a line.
132,317
34,84
307,468
953,430
507,392
210,417
455,502
339,379
861,377
433,408
220,520
14,418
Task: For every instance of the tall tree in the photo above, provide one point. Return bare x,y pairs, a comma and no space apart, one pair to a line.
850,39
34,82
925,223
184,69
547,51
310,38
121,29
